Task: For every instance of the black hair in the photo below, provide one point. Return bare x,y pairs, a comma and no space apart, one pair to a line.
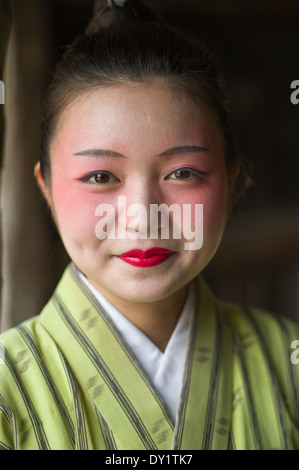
133,44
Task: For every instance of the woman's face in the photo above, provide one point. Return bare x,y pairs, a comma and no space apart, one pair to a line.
139,144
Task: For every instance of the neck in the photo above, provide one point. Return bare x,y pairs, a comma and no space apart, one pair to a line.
157,320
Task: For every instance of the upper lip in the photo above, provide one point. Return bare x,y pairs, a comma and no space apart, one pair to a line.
147,254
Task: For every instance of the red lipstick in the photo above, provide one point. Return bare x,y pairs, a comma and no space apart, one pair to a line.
146,259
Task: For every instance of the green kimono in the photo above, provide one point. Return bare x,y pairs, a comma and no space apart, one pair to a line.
69,381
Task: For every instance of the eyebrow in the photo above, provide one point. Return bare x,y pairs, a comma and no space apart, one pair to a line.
183,150
173,151
100,153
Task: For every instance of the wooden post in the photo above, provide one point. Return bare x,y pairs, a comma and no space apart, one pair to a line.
27,233
5,23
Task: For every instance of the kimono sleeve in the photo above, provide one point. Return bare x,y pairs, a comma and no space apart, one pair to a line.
7,416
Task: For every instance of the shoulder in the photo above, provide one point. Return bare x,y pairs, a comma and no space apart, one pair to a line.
17,352
15,360
15,341
34,387
267,343
264,325
265,372
246,320
27,352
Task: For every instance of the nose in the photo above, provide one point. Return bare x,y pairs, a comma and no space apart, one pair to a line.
134,208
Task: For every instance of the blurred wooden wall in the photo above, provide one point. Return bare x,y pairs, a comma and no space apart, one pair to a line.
27,240
5,25
256,43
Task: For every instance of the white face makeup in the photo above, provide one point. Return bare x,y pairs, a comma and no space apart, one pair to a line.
145,144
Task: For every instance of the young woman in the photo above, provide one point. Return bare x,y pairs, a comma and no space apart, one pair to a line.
133,351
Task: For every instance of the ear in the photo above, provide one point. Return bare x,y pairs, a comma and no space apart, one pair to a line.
233,174
41,182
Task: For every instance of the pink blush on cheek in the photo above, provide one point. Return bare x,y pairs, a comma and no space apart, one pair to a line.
212,194
72,209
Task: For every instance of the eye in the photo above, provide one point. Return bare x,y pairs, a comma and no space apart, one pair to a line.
182,174
99,178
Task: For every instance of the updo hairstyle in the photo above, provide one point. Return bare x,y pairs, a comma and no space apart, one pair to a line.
128,42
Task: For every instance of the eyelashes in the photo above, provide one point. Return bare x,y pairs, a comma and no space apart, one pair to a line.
184,173
98,178
103,178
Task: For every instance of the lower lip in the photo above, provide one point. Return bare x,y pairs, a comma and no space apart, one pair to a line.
146,262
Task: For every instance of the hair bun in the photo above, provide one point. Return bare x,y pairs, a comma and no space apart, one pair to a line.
101,16
109,13
118,3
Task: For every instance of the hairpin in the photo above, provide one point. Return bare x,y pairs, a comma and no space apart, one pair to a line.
118,3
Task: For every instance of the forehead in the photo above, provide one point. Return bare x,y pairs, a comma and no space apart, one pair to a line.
155,110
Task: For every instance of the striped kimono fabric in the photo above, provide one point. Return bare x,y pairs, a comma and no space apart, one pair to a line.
68,381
